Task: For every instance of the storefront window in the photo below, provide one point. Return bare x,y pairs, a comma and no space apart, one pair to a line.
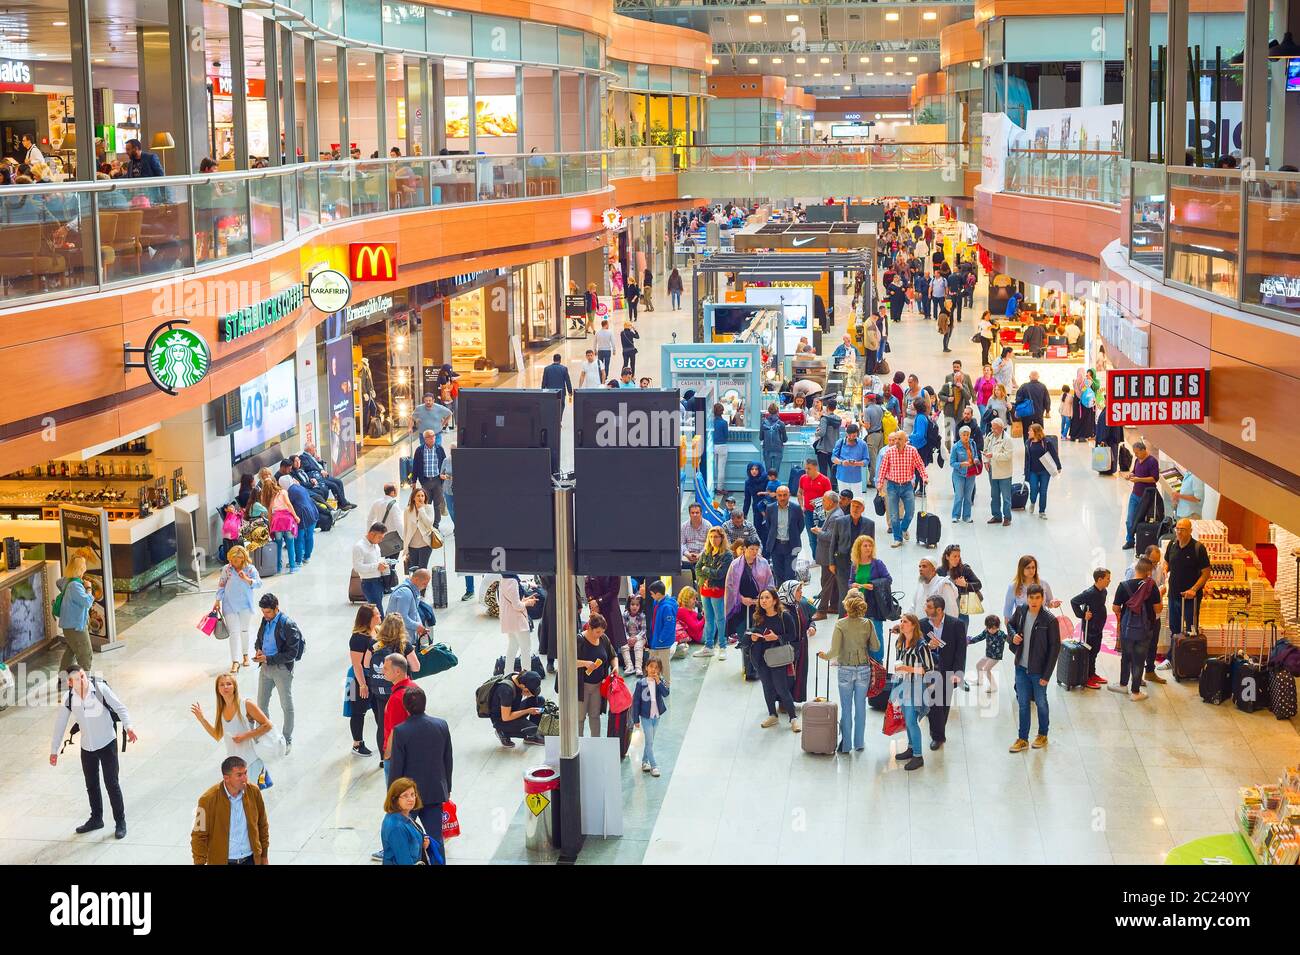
496,38
534,288
570,47
468,331
384,360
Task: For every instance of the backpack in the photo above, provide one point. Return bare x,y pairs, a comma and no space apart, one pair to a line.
483,696
888,423
282,628
76,727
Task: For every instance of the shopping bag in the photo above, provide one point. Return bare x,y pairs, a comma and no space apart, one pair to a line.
620,697
208,624
893,719
450,821
1101,458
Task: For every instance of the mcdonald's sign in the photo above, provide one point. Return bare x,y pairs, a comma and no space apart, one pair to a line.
372,261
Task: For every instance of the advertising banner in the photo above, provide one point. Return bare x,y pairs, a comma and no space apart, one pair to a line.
1157,396
83,532
993,171
341,412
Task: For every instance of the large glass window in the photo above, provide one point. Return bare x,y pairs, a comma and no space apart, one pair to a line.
404,25
448,31
362,21
539,42
496,38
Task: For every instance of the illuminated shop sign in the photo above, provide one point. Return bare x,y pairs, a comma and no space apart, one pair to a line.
1157,396
15,77
711,363
255,317
372,261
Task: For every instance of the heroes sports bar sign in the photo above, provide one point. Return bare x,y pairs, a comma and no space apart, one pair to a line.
1157,396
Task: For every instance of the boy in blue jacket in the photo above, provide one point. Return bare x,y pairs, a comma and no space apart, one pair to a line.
1090,608
661,626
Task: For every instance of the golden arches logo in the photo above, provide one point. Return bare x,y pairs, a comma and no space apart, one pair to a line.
372,261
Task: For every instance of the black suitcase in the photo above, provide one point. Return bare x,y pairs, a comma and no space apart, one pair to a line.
929,529
1125,458
1144,535
1250,679
438,588
1216,679
1072,665
1019,496
324,519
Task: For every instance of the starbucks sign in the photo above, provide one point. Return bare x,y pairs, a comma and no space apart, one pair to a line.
176,358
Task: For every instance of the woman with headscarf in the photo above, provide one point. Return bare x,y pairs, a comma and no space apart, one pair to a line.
746,578
1084,425
602,598
801,610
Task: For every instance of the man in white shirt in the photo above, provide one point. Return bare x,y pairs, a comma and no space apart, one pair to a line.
34,155
694,533
604,348
931,584
92,706
590,375
387,511
999,458
370,565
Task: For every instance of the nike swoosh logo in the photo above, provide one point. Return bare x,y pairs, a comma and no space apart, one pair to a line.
798,242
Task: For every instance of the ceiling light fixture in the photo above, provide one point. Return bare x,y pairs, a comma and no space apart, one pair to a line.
929,15
891,17
753,60
864,59
756,18
777,59
800,59
792,18
889,72
889,59
848,87
826,59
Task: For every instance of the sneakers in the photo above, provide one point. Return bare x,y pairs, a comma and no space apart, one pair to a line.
1101,679
679,653
1043,515
645,767
506,741
377,856
360,750
1093,683
766,724
907,536
654,771
705,652
534,740
722,654
1152,677
1019,746
895,543
795,727
1117,688
1040,741
467,595
90,825
1138,696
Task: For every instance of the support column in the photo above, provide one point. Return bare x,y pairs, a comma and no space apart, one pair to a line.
555,111
1255,75
238,86
345,123
289,97
437,114
271,62
470,103
519,110
1176,93
381,106
311,103
79,21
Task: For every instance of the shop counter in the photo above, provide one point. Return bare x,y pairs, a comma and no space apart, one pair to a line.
26,621
143,548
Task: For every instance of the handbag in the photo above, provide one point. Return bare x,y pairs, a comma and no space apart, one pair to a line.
207,624
391,543
975,469
970,604
434,658
879,677
879,505
1101,458
1024,408
894,722
450,821
548,724
779,656
619,696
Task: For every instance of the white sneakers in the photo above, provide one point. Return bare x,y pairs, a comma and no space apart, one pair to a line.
703,652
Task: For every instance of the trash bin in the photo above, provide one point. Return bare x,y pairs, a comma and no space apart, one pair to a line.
540,787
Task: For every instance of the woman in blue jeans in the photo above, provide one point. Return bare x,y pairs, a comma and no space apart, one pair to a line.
964,457
1041,462
914,662
711,579
852,645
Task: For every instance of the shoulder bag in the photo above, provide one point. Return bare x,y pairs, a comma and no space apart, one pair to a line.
391,544
783,654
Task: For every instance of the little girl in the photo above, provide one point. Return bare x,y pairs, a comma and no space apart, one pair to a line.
1066,410
995,642
649,704
634,624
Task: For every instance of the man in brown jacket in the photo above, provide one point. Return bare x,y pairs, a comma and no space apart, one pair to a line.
230,826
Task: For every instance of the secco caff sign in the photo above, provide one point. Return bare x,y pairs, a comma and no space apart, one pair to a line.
1157,396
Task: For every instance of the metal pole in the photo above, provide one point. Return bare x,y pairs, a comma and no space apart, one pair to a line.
566,630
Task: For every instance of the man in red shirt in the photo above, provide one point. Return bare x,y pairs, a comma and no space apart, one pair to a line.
812,486
396,672
900,468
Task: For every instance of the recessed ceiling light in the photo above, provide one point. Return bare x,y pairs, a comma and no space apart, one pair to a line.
836,75
871,74
908,73
59,23
753,60
891,16
929,15
714,60
889,72
756,18
864,59
848,87
817,75
328,59
912,59
777,59
826,59
889,59
792,18
798,76
800,59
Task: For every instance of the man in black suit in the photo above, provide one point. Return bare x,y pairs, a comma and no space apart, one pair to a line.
847,530
1035,392
315,470
422,752
556,376
427,469
784,533
947,639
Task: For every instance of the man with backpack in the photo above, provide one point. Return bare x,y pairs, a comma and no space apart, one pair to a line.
1137,606
850,457
94,711
772,436
279,646
825,437
513,704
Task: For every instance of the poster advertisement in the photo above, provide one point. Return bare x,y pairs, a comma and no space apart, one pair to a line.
84,533
493,116
342,414
993,154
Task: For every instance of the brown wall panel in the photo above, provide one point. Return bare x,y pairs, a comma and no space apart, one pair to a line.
662,44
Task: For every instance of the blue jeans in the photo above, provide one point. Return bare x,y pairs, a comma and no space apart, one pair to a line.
910,693
677,300
1029,687
283,540
1038,481
306,541
450,499
1000,493
649,725
963,490
715,622
1130,521
879,654
896,493
853,706
372,589
1065,427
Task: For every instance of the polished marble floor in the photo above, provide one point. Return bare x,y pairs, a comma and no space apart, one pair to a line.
1121,782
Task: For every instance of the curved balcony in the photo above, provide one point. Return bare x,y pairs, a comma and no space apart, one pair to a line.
64,239
1086,175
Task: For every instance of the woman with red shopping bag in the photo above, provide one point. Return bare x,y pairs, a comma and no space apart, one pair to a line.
914,662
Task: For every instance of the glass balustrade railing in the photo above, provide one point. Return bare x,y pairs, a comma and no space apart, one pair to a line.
60,239
1086,175
763,156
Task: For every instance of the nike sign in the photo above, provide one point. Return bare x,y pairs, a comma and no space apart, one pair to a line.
798,242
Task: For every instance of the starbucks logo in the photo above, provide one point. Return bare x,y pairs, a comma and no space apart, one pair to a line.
177,358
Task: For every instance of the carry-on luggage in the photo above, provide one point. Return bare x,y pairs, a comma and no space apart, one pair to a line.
1250,677
619,726
1144,535
324,519
821,717
354,589
1281,683
405,467
1125,458
1216,675
1019,496
929,529
1188,648
264,560
1072,665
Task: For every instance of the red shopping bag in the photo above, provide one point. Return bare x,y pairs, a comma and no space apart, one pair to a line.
450,822
208,624
893,719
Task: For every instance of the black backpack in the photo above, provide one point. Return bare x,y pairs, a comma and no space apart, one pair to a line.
76,727
282,628
483,696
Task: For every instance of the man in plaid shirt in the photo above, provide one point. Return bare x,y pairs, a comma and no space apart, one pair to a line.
898,465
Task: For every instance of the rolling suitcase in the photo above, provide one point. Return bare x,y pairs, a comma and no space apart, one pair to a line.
1188,649
820,719
438,586
1144,535
1072,665
405,465
264,560
1019,496
1250,678
619,726
1216,674
929,529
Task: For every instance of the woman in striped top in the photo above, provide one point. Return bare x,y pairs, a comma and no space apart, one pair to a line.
914,662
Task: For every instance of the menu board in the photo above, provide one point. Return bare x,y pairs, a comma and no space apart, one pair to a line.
84,532
493,116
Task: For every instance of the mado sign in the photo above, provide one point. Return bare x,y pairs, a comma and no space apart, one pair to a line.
728,363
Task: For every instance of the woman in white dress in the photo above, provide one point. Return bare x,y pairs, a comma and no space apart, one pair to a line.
239,722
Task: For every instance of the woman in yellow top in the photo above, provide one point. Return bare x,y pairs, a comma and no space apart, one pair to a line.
871,576
852,644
